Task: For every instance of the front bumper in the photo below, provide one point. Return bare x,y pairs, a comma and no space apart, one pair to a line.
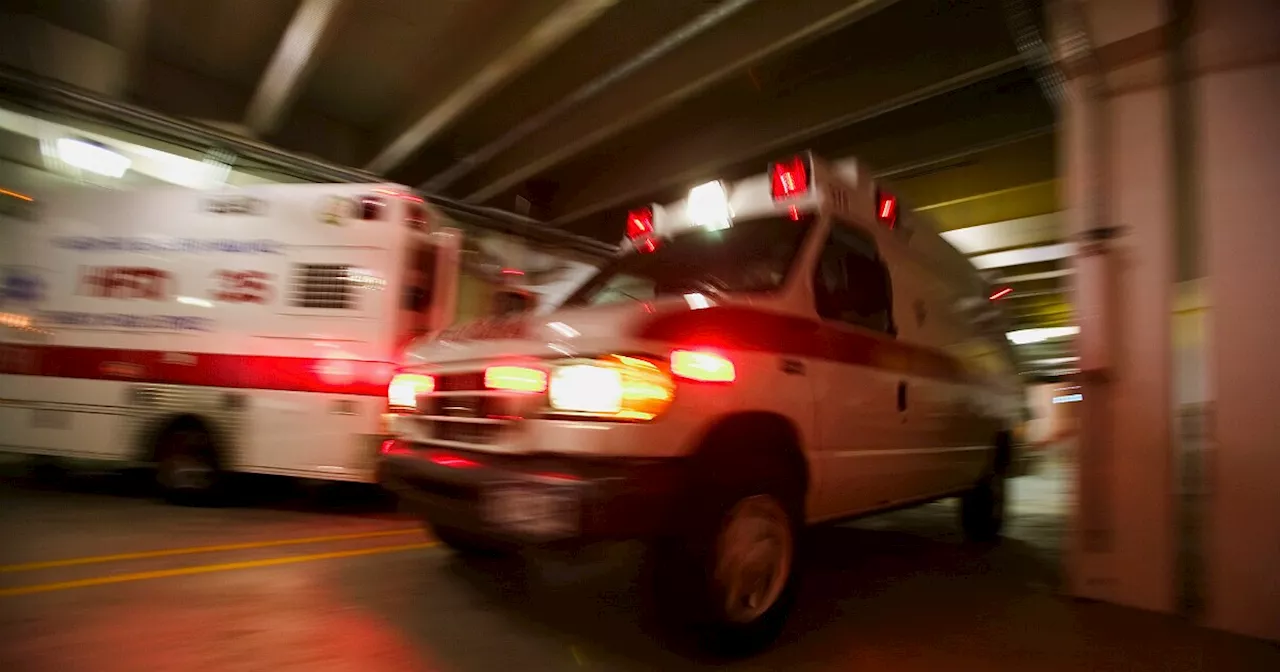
533,499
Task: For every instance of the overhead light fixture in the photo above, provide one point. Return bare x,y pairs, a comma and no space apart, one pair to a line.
1054,361
708,206
93,157
1028,336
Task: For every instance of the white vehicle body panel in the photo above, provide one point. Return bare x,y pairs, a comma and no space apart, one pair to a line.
883,418
94,361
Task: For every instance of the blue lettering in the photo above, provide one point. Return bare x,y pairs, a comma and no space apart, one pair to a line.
189,245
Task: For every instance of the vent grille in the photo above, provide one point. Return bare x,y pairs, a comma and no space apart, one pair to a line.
326,286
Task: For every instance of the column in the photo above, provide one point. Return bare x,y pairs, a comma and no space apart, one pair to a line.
1235,61
1117,158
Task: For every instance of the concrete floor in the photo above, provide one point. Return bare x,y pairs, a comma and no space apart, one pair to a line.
369,592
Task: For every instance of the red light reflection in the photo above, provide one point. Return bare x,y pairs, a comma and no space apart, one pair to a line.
453,461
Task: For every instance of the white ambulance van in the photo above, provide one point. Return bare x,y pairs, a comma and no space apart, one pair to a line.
788,350
253,331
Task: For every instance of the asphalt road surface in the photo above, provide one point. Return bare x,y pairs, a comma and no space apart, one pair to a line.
97,574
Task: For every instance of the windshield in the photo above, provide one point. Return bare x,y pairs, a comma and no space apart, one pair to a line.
750,256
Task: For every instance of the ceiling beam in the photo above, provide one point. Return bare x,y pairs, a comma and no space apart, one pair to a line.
671,41
944,160
749,38
550,32
127,31
1031,277
293,59
790,122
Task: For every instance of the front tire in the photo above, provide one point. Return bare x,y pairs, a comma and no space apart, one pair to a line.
731,576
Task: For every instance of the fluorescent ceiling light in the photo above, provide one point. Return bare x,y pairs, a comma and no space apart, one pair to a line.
1026,336
93,157
1054,361
1025,255
708,206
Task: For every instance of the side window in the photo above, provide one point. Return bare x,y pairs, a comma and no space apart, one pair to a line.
851,283
622,287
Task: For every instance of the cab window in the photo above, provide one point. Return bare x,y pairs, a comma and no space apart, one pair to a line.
753,255
851,283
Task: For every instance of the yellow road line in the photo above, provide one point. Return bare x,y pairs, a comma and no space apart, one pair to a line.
205,569
29,566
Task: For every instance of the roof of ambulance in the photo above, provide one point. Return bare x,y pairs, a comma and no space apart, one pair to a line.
750,198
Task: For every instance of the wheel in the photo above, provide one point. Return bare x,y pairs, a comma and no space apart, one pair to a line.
46,470
731,577
982,509
471,545
187,466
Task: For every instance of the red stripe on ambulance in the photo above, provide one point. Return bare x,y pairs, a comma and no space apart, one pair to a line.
742,328
300,374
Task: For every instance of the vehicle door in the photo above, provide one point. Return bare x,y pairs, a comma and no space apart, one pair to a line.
863,424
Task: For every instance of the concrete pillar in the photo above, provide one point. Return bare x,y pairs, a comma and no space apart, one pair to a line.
1169,162
1235,57
1116,149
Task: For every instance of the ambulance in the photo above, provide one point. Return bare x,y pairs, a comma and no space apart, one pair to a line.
250,331
791,349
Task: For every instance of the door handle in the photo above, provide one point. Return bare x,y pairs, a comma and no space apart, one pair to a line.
902,396
793,367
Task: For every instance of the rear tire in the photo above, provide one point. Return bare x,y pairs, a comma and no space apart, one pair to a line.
47,470
187,469
982,509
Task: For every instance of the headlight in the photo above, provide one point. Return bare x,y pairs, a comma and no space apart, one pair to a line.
625,388
405,388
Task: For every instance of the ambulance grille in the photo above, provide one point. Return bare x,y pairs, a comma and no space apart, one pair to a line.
322,286
460,413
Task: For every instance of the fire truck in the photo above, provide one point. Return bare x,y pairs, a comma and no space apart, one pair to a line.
249,331
791,349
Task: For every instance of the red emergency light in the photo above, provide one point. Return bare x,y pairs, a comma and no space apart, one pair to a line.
1000,294
790,178
639,223
371,207
640,229
886,208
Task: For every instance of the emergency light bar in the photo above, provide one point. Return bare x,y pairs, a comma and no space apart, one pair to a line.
886,208
790,178
708,206
640,229
787,187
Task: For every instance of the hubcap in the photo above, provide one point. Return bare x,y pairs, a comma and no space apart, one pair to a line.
187,473
183,468
753,557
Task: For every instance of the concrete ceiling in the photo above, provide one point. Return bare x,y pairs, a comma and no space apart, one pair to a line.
574,110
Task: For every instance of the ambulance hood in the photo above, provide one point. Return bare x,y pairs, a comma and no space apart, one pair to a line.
561,333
